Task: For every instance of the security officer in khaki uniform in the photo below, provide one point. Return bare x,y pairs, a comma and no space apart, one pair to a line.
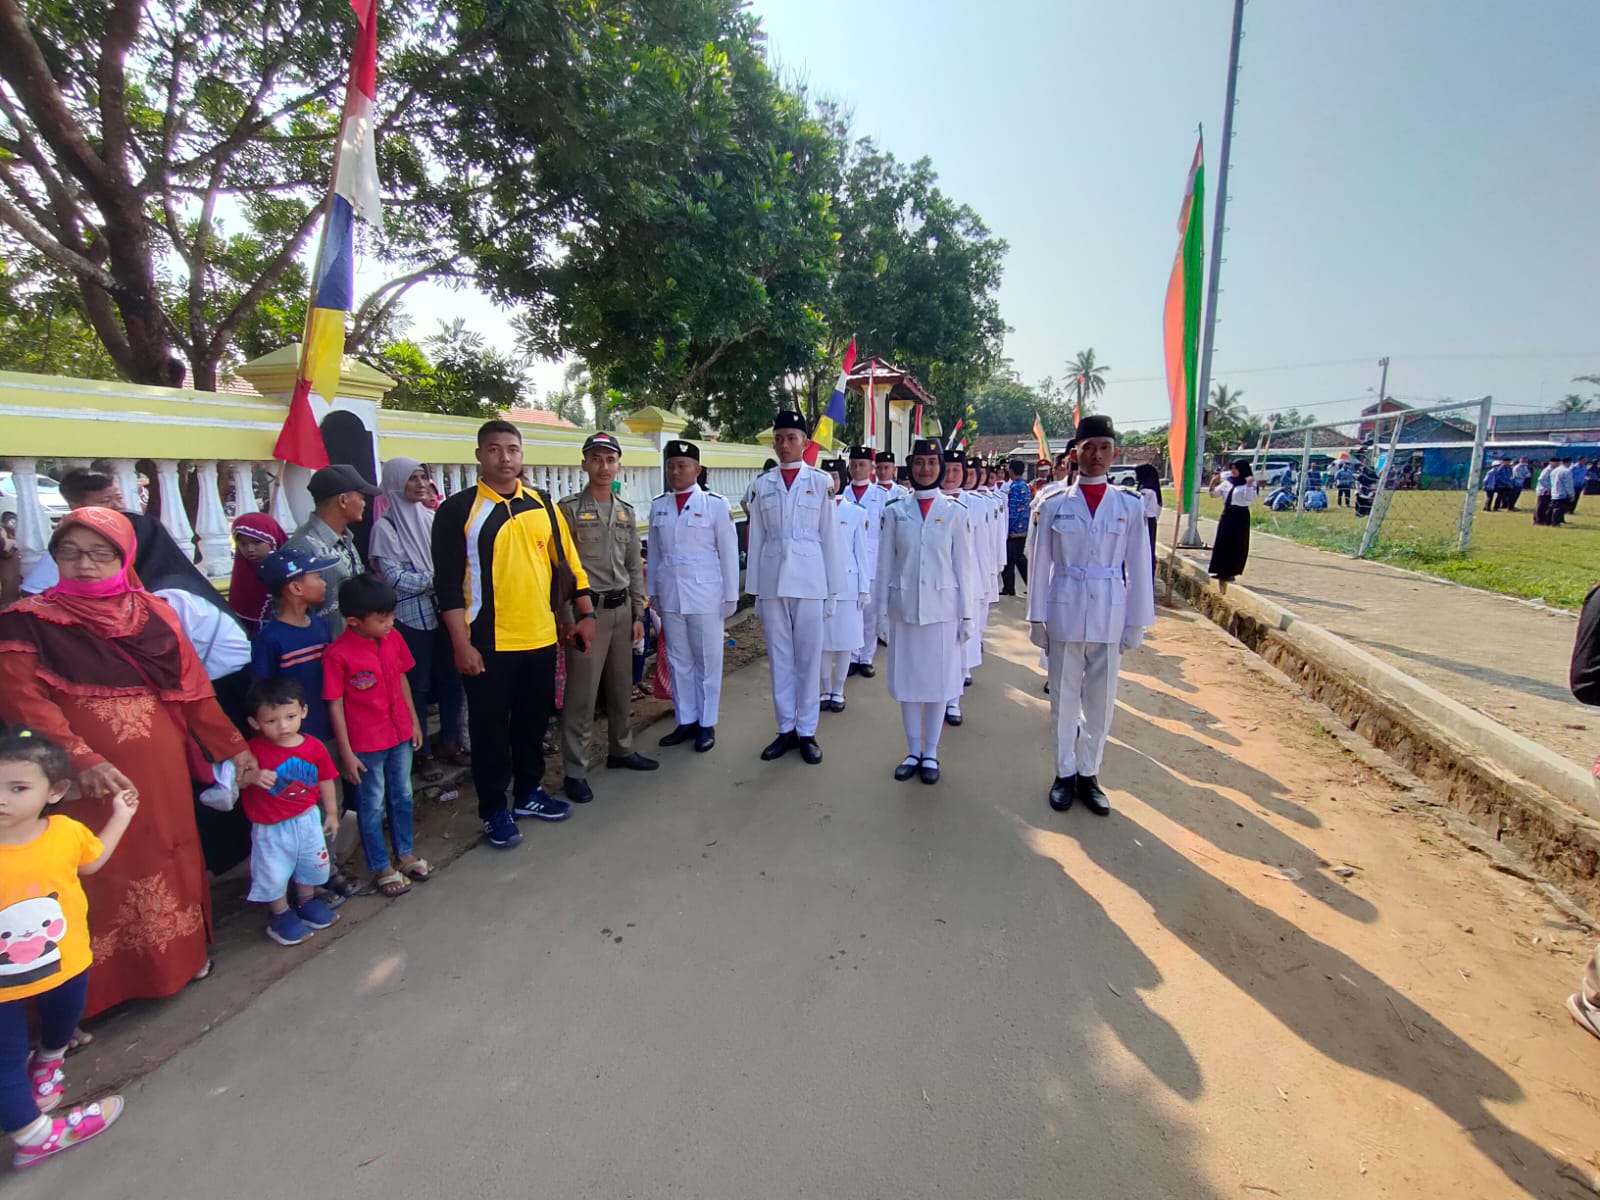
607,536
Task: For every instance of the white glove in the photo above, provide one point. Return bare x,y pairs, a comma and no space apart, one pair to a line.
1132,638
862,600
964,631
1038,636
729,607
828,607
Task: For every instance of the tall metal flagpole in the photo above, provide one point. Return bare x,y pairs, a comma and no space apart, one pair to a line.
1191,533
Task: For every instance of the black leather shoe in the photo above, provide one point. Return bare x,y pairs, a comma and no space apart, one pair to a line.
1063,791
951,718
838,704
705,739
1093,798
853,669
810,751
907,769
679,735
867,670
779,746
630,762
929,770
579,791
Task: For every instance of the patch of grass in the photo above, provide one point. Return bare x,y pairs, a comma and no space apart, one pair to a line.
1509,553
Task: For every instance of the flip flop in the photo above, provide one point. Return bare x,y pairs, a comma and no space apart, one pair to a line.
391,885
427,770
418,869
1583,1013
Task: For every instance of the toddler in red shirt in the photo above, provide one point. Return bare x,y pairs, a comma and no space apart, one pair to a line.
293,812
375,727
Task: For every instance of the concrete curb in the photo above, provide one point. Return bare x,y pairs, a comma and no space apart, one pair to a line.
1527,797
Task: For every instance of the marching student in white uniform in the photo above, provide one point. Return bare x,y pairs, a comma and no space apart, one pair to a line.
955,474
862,490
883,466
692,579
792,567
926,591
1091,597
842,632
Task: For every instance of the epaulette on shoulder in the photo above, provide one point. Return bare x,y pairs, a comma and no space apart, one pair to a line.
661,495
718,495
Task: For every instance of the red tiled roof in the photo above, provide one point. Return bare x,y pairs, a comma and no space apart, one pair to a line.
537,416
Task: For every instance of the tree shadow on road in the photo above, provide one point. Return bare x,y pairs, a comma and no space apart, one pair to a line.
1159,704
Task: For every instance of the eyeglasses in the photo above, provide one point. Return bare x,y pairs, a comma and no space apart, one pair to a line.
68,553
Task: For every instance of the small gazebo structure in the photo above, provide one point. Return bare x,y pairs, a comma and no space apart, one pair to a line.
895,396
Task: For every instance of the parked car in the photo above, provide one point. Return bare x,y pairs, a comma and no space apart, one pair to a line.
49,496
1122,475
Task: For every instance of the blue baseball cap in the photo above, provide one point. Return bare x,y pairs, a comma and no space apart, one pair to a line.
281,566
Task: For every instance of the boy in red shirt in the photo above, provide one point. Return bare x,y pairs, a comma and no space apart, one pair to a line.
292,810
375,727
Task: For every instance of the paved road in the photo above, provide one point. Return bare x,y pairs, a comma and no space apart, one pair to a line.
735,980
1505,658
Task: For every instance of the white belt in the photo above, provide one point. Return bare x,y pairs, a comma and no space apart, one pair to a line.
1076,572
679,560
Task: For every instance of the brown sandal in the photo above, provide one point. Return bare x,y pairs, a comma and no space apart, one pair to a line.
391,884
418,869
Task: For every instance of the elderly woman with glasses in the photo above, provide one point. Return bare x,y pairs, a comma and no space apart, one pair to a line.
103,669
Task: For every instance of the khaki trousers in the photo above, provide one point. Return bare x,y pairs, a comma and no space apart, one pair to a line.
608,664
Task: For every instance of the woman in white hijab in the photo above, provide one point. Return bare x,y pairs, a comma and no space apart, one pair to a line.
401,550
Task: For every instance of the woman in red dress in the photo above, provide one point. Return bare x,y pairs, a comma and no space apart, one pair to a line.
102,668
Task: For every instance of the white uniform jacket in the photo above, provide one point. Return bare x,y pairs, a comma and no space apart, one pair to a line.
693,564
927,571
856,580
873,501
793,548
1091,580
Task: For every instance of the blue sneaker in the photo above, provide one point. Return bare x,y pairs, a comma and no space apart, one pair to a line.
287,929
317,914
501,830
540,804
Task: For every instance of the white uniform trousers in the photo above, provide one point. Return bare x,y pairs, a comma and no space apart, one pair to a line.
869,632
794,656
694,656
1083,695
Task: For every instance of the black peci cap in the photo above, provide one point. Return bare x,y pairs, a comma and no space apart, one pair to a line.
1096,425
789,419
681,449
861,452
884,456
603,441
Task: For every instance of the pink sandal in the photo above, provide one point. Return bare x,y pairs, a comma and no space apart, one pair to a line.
48,1081
78,1126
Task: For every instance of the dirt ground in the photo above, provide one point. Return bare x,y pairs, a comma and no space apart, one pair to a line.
1273,971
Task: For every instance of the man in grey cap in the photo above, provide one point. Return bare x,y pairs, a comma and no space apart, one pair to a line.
606,533
339,499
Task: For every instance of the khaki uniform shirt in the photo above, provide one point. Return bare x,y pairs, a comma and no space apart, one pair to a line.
607,537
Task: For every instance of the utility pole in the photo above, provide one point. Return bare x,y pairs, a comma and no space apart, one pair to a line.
1191,533
1383,385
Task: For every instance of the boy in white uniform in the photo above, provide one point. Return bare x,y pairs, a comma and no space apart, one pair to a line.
692,580
926,591
842,632
862,490
792,568
1092,597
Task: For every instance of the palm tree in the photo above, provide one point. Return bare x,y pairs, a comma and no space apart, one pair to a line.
1225,406
1571,404
1087,380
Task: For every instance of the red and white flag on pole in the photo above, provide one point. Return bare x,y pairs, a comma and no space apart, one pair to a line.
872,412
950,443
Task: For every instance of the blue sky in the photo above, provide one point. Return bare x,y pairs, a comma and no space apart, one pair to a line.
1416,178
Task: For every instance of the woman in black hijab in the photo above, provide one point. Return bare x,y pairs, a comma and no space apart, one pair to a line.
1232,547
1148,480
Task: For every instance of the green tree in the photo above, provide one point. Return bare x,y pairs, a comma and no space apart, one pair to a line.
1086,380
1573,403
453,372
43,328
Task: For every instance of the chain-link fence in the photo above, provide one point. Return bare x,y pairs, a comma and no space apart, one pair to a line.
1392,484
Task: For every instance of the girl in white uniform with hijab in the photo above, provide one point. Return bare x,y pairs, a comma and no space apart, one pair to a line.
843,633
927,591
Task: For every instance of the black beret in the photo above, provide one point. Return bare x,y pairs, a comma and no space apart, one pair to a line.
955,456
831,465
926,446
884,456
789,419
861,452
681,450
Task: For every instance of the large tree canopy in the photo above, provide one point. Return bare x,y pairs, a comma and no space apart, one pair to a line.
631,176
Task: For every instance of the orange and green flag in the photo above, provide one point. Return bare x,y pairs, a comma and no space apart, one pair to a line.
1181,330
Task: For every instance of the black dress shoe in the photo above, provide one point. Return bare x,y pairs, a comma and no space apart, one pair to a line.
705,739
951,718
1093,798
853,669
630,762
779,746
929,770
867,670
579,791
810,751
679,735
838,704
1063,791
907,769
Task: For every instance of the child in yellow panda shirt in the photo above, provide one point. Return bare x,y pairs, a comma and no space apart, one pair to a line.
44,944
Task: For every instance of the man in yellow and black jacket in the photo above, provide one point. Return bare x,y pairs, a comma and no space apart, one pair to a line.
497,548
